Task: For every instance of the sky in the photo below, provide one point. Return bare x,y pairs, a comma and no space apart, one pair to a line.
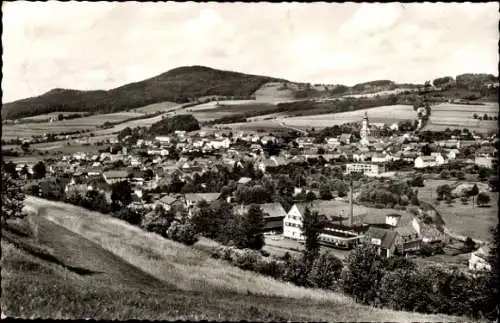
102,45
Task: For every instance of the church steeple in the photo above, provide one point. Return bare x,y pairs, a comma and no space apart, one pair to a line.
365,130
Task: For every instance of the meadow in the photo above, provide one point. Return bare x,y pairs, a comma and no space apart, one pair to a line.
386,114
86,123
459,116
188,282
465,220
157,107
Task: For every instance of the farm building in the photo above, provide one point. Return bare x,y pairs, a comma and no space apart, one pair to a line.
273,215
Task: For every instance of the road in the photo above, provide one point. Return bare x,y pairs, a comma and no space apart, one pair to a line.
282,123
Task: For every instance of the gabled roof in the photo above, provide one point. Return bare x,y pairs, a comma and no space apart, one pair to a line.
112,174
270,210
387,237
197,197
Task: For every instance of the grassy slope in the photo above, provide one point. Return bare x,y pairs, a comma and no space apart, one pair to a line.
177,85
211,289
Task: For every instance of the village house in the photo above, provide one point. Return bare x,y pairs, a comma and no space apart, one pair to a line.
486,161
365,168
478,260
273,215
115,176
345,138
381,158
304,142
429,161
192,199
267,139
383,239
332,141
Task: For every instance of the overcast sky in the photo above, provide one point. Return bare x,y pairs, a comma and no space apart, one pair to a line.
85,45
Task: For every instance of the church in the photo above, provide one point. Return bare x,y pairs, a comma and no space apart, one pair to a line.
366,134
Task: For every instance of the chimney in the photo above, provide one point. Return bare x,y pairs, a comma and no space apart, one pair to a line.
350,204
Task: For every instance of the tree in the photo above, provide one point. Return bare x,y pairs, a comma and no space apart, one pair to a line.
39,170
483,199
182,232
475,116
10,168
321,151
310,196
130,215
60,117
324,192
25,146
158,221
364,271
445,174
251,228
493,277
311,229
325,271
485,116
121,194
12,198
426,150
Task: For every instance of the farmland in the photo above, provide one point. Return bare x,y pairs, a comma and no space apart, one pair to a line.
207,112
460,116
86,123
462,219
387,114
156,107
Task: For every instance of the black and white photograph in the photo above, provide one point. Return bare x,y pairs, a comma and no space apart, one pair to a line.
277,162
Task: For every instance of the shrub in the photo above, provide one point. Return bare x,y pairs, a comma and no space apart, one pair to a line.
364,271
483,199
183,233
325,271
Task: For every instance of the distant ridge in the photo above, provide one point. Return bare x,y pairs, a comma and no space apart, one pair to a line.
178,85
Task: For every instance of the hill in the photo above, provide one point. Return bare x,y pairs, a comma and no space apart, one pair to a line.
188,283
177,85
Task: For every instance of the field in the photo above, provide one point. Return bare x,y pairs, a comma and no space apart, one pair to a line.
460,116
274,92
209,111
91,122
464,220
119,266
386,114
156,107
48,115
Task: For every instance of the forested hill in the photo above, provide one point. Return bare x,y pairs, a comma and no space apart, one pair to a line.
177,85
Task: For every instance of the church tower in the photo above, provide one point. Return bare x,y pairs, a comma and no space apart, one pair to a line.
365,130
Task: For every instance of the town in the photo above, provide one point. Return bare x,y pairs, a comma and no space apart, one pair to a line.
210,194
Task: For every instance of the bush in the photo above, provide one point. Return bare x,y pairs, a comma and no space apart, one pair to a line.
483,199
363,274
129,215
182,233
325,272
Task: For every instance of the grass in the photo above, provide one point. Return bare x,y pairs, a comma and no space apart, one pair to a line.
155,107
386,114
460,116
208,288
90,122
462,219
208,112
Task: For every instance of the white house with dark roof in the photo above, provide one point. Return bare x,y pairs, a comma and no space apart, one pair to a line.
478,260
114,176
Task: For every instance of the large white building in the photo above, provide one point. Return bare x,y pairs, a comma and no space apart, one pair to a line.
365,168
429,161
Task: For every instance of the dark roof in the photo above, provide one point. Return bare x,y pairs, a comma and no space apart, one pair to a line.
386,236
